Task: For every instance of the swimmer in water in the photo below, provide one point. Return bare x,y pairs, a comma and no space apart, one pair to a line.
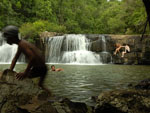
54,69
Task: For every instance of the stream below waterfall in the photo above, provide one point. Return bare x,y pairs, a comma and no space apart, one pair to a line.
80,82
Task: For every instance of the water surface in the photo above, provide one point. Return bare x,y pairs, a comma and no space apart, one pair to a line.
80,82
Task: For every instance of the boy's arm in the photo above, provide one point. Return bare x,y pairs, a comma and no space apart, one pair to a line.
13,63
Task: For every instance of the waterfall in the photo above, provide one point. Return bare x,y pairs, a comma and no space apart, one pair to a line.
104,44
7,52
53,49
105,56
70,49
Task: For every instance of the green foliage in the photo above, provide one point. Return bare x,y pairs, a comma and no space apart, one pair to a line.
72,26
31,31
74,16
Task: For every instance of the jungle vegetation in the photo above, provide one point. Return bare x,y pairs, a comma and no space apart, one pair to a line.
74,16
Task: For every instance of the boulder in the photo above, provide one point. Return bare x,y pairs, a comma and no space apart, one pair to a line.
144,84
124,101
24,96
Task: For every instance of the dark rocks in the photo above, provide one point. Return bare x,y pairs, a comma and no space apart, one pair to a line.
101,43
144,84
24,96
133,100
77,107
124,101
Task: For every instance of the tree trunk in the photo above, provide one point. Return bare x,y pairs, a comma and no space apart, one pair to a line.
147,6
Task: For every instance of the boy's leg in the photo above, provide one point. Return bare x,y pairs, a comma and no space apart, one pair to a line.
40,72
42,78
123,53
117,50
41,81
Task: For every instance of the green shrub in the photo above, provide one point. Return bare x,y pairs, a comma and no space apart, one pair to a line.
31,31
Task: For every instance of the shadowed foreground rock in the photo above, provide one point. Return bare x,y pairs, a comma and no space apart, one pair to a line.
124,101
144,84
23,96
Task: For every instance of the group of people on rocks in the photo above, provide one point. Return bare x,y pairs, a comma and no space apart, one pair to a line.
125,47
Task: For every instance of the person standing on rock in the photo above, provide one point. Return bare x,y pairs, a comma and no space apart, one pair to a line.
36,66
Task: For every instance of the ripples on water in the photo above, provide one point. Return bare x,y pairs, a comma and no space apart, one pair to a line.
80,82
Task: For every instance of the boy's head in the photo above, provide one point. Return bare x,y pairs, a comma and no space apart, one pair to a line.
117,45
10,33
53,67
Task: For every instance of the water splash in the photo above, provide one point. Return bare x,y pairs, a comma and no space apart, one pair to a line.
70,49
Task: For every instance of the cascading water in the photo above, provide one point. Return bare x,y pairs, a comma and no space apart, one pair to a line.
105,56
7,52
70,49
104,44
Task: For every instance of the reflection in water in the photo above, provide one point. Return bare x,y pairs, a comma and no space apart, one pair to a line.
79,82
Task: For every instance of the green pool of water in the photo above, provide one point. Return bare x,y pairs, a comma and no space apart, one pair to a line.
80,82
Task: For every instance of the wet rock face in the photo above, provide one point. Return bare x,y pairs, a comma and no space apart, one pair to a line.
97,43
24,96
139,50
139,53
124,101
144,84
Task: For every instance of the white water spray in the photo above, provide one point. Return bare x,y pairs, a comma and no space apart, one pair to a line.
71,49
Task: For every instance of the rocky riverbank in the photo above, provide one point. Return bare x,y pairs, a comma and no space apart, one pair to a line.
24,96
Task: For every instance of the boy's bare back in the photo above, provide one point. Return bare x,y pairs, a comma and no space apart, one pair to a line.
31,52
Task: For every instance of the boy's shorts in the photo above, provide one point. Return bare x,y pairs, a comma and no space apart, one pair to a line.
37,71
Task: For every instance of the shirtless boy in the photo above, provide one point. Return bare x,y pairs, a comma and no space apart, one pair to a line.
36,63
54,69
